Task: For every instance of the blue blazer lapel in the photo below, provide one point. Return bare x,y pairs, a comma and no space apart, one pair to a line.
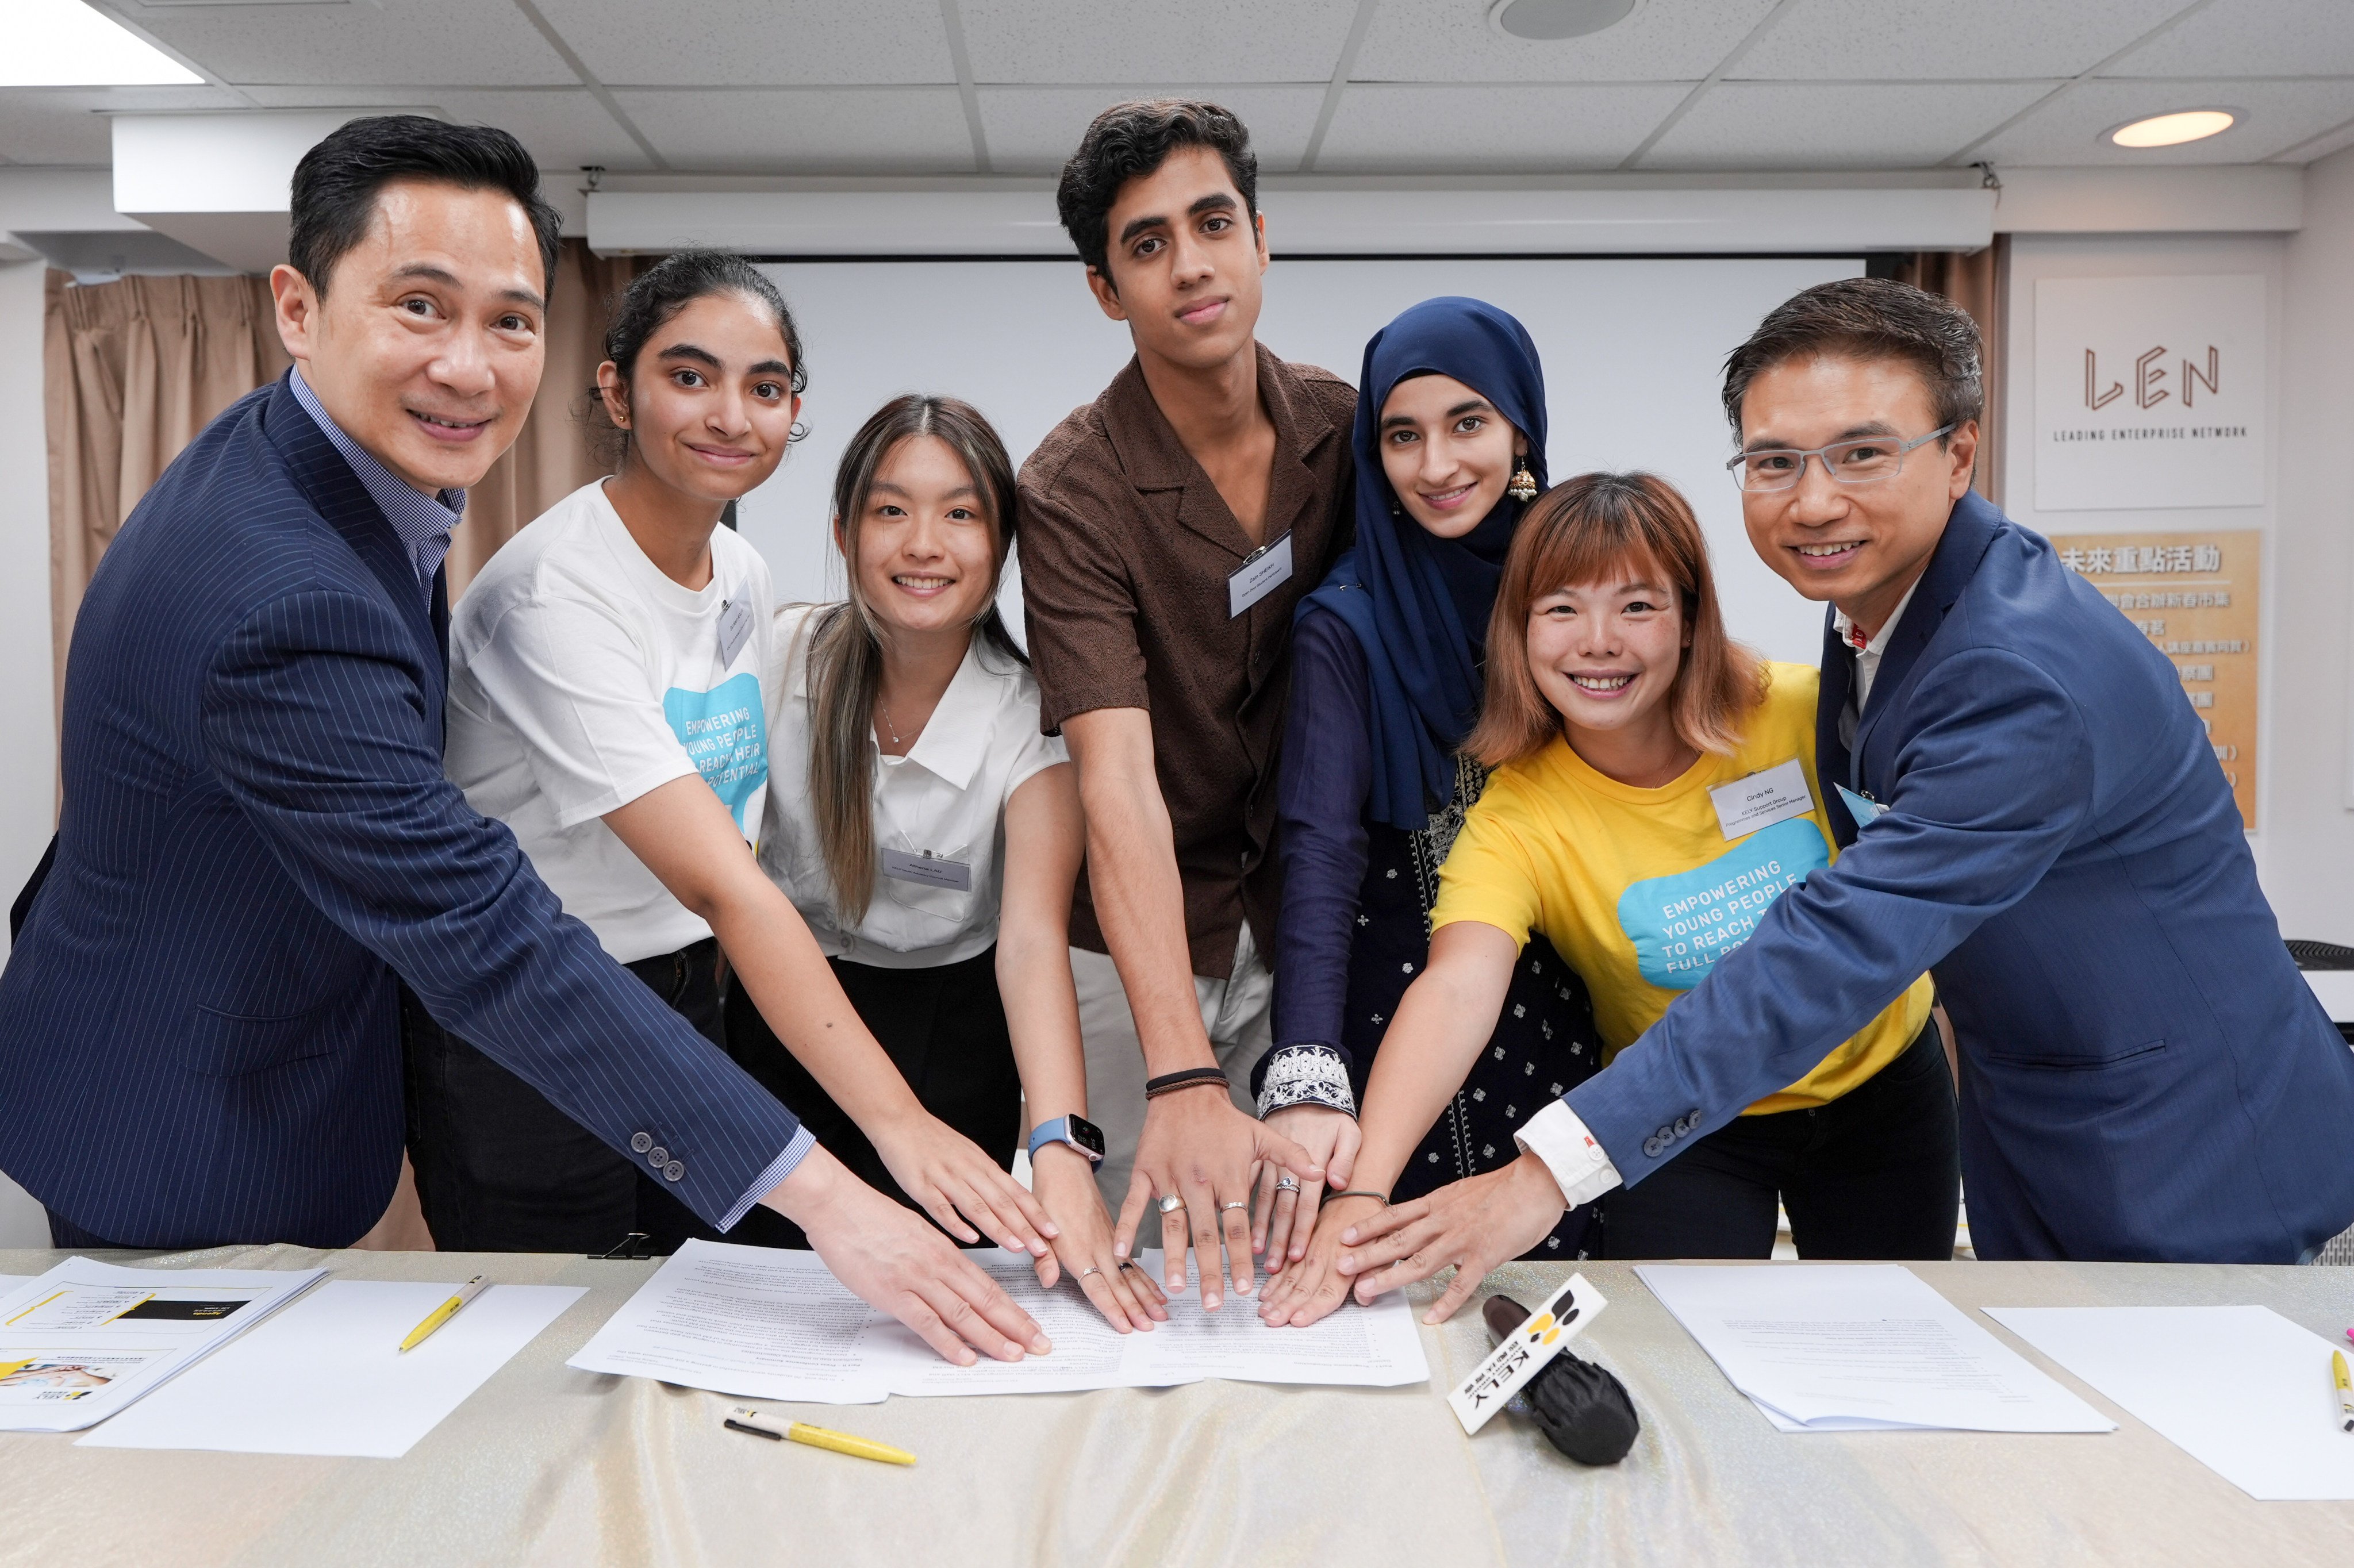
1833,763
332,486
1970,529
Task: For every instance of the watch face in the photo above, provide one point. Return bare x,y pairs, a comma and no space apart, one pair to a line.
1086,1135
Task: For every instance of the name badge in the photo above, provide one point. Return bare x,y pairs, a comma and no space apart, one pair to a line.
1864,811
932,870
1263,571
1524,1352
735,626
1762,800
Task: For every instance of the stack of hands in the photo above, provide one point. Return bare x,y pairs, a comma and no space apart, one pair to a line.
1251,1189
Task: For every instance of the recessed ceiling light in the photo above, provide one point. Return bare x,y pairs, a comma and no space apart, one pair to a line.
2173,130
64,43
1549,19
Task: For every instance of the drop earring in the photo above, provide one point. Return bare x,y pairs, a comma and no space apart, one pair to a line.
1523,487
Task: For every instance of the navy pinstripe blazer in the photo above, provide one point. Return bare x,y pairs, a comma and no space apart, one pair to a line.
199,1034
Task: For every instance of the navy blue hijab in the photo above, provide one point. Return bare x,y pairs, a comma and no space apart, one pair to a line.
1418,605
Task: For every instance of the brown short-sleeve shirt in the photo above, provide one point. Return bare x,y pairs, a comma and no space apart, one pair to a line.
1126,547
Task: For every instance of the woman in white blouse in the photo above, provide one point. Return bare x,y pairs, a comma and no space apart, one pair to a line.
931,836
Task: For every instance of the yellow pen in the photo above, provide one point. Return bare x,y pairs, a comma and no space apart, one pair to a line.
443,1313
745,1419
2345,1391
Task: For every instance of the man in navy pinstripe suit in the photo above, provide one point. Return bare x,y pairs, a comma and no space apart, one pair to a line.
199,1025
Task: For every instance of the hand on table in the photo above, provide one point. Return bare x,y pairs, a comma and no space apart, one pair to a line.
1313,1286
1473,1226
1197,1145
1066,1184
894,1261
954,1182
1283,1219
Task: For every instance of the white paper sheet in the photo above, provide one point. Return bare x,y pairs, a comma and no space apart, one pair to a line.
1857,1347
2242,1390
328,1376
777,1325
84,1340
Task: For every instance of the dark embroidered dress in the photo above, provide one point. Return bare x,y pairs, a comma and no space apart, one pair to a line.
1356,903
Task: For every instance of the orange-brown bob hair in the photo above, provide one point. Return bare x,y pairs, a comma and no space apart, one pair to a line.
1600,527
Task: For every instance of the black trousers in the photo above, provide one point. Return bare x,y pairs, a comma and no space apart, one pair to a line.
944,1029
1874,1174
499,1169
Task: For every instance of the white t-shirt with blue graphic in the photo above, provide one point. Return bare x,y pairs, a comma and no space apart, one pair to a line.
581,677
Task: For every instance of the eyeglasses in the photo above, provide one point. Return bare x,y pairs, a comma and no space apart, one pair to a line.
1866,460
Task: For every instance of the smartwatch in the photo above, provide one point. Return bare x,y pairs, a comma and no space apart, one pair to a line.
1071,1132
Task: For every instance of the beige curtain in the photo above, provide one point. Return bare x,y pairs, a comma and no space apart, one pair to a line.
1980,283
134,369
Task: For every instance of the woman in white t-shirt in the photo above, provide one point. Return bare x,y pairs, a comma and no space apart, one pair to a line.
929,834
607,703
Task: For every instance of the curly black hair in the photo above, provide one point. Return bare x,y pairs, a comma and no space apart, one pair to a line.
1131,140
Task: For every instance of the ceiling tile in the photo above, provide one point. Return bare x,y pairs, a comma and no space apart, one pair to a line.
814,130
2252,37
1910,40
1152,40
69,124
564,127
387,41
2276,116
1450,40
1032,130
1787,126
2335,140
735,42
1402,129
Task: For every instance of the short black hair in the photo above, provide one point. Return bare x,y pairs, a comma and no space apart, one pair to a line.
1131,140
1868,318
336,182
668,287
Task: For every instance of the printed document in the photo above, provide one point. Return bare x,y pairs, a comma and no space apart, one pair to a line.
87,1338
2242,1390
1859,1347
772,1324
328,1376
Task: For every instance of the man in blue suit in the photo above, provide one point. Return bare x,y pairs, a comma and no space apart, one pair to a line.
200,1022
2031,812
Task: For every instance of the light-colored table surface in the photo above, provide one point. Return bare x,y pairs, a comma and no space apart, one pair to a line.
547,1464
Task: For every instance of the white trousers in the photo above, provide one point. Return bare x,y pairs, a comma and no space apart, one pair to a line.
1236,1014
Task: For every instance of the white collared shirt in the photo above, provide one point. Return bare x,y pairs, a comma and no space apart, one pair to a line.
1867,652
946,797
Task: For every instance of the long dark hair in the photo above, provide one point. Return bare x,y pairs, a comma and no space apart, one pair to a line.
845,654
659,293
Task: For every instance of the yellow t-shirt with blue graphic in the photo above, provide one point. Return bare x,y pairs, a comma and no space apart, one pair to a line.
1640,890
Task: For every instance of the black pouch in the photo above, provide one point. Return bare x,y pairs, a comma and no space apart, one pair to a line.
1582,1409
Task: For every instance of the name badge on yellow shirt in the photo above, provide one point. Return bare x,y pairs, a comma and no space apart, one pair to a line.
1762,800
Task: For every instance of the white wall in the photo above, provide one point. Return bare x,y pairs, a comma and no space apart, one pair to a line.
28,760
2304,843
2309,859
1632,355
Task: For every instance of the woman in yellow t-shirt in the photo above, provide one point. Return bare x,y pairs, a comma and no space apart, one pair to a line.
1654,791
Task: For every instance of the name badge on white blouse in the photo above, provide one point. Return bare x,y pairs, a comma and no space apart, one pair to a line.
1263,571
735,625
1762,800
932,870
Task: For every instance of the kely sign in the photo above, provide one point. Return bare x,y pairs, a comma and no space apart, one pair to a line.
2150,392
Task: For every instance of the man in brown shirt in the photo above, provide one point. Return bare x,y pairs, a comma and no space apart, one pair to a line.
1168,531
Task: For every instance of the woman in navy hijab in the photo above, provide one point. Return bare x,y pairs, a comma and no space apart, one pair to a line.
1387,656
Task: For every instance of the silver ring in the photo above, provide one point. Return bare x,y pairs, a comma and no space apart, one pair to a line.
1287,1182
1090,1268
1171,1203
1223,1208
